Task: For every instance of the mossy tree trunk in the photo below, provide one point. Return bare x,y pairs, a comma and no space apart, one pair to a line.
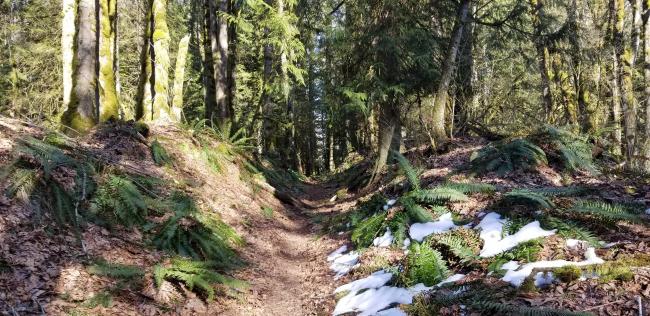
179,77
68,32
441,94
623,57
143,97
108,98
542,58
646,74
81,114
208,62
160,38
224,107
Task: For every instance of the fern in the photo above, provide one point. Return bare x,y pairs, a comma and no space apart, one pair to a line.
605,211
426,265
469,188
159,154
527,197
458,245
119,199
191,234
412,175
570,229
196,275
437,195
115,270
572,149
561,191
416,212
507,156
22,183
367,230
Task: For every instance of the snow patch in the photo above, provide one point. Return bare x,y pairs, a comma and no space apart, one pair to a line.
543,279
374,280
451,279
344,264
419,231
492,229
407,243
337,253
385,240
391,202
372,301
575,243
647,211
516,277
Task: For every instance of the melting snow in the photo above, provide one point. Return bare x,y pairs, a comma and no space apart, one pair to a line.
337,253
542,279
373,300
385,240
407,243
516,277
575,243
492,229
451,279
374,280
344,264
647,211
444,223
391,202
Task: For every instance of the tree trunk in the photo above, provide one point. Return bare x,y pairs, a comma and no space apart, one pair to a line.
542,58
208,65
68,32
224,107
623,57
108,100
161,110
646,74
179,77
81,114
448,71
388,121
143,97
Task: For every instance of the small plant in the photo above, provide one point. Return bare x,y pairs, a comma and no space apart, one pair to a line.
426,265
115,270
190,233
120,200
570,229
469,188
504,157
104,298
197,276
529,198
568,274
267,212
159,154
606,212
572,150
462,243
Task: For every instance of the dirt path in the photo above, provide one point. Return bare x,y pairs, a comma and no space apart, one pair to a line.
287,270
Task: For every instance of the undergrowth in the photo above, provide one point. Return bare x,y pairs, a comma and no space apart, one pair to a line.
198,276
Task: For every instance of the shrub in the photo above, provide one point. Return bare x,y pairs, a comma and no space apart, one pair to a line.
507,156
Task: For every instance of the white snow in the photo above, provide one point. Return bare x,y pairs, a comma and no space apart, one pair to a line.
451,279
543,279
407,243
372,301
419,231
374,280
516,277
384,241
391,202
510,265
337,253
391,312
647,211
575,243
492,229
344,264
419,288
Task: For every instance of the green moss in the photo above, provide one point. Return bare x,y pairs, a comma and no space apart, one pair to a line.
568,274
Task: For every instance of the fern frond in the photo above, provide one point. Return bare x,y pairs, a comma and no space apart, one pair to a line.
506,156
437,195
119,199
527,197
426,265
196,275
605,211
415,212
367,230
572,149
561,191
457,245
469,188
570,229
159,154
412,175
496,308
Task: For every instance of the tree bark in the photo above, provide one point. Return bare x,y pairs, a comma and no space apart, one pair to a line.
179,77
208,65
448,71
68,32
81,114
160,39
220,44
108,99
143,97
646,74
542,59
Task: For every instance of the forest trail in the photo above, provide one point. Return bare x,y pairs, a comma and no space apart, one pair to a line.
286,269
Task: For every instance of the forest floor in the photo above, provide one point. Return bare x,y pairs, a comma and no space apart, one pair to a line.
288,238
